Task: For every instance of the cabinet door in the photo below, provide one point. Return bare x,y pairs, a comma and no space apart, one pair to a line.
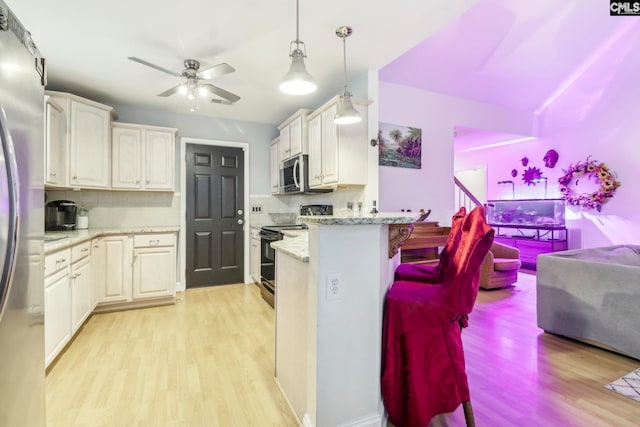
295,137
315,151
116,252
126,149
284,145
98,274
89,146
275,168
80,292
159,163
57,314
153,272
55,163
329,146
255,256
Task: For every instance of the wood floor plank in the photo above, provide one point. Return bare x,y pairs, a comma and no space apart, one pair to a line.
209,360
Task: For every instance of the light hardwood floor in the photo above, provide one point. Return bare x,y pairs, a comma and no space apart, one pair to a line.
208,361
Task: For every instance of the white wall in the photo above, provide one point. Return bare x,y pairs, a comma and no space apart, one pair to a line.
432,186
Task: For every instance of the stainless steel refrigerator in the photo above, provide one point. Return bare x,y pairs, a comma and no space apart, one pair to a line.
22,382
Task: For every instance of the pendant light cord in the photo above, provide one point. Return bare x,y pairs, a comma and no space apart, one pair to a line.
344,57
297,23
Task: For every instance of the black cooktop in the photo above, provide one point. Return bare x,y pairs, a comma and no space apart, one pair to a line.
279,227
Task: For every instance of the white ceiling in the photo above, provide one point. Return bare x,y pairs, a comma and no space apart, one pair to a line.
516,53
87,43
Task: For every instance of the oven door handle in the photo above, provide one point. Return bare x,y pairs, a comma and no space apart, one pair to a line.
296,168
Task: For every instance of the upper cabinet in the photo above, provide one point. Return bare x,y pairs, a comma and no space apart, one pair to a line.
337,153
293,136
55,147
86,142
275,167
143,157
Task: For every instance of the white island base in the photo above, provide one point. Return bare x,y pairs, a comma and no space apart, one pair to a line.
328,334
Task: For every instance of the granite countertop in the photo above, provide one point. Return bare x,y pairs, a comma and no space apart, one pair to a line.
296,244
366,219
56,240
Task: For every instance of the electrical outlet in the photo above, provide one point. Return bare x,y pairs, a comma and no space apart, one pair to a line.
256,209
334,286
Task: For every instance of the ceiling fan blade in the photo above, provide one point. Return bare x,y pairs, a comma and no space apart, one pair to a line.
220,92
171,91
221,101
157,67
216,71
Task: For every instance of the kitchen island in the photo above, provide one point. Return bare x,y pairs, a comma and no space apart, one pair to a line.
329,302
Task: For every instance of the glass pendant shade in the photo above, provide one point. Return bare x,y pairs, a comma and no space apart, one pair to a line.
346,113
297,81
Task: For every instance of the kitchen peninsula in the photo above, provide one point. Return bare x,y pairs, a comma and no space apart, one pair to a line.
329,298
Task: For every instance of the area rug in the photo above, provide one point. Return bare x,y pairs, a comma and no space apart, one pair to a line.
627,385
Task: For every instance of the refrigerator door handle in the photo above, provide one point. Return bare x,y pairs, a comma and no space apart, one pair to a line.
9,191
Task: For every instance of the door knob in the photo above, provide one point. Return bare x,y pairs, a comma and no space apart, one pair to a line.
240,221
240,212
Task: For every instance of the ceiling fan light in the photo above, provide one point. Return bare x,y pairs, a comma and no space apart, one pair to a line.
346,113
202,91
298,81
183,89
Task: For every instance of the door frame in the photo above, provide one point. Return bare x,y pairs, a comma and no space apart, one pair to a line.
181,286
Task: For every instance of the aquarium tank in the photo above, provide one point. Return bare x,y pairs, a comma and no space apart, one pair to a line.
526,212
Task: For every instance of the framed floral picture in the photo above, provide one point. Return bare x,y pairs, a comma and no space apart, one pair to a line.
399,146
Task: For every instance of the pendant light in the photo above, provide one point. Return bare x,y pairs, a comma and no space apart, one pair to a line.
297,81
346,114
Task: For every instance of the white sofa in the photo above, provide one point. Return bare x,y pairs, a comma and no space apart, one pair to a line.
592,295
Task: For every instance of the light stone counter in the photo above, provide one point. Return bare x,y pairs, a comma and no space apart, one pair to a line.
366,219
70,238
296,244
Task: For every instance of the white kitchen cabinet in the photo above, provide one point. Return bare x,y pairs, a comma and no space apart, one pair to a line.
293,135
57,303
338,153
115,284
55,145
255,254
89,146
98,275
154,265
87,141
275,167
142,157
81,305
315,151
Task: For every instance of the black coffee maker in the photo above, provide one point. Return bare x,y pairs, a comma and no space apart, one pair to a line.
60,215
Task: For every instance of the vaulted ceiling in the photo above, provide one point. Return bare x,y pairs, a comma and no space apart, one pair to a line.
519,54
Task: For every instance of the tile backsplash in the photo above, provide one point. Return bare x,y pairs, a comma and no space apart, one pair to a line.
124,208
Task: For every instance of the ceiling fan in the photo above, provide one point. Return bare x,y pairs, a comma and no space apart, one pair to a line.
194,84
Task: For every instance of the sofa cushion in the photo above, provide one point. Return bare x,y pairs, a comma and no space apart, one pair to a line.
502,264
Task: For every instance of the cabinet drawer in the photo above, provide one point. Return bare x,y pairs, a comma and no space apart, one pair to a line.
147,240
57,261
80,251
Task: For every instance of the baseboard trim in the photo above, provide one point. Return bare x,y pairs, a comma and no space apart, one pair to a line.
151,302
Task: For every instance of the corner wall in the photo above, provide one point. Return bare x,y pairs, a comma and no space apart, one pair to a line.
431,187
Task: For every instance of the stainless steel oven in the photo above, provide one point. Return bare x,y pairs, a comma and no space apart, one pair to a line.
273,233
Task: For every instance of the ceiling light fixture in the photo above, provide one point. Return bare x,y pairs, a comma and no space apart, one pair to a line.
297,81
346,114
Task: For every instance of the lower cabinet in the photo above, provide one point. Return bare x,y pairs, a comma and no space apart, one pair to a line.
136,269
57,313
255,255
154,266
81,306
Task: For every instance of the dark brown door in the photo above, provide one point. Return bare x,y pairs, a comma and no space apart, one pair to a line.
215,215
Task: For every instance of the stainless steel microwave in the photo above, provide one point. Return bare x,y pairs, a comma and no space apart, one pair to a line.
294,176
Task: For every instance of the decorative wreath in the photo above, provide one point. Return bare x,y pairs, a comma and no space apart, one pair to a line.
594,171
